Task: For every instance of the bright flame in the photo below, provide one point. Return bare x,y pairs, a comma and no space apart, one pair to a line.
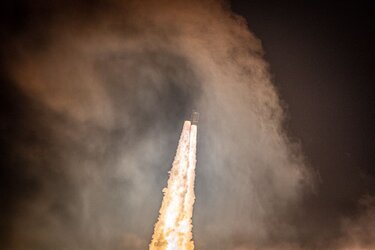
173,231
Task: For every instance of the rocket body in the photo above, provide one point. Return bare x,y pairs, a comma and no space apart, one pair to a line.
194,118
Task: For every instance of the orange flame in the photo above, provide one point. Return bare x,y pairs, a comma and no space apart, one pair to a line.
173,229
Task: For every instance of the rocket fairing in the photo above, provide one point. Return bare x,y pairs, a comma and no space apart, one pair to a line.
194,118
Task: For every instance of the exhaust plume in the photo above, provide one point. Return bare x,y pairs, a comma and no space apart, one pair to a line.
174,227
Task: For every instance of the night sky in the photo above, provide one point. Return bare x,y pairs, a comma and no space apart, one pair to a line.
321,59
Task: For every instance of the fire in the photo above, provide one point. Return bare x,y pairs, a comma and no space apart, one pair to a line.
173,230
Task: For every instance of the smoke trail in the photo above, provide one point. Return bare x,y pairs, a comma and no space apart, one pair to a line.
101,92
174,227
104,91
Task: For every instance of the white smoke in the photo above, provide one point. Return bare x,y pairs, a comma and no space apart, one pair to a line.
110,92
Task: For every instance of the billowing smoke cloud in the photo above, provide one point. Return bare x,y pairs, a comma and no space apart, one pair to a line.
359,232
105,89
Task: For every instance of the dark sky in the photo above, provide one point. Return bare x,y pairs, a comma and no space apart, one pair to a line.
321,57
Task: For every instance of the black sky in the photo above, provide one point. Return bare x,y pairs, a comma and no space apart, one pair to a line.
321,57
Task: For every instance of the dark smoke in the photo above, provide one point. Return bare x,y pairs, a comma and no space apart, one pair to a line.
99,91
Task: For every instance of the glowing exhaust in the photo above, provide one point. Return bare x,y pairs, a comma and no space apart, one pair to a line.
173,230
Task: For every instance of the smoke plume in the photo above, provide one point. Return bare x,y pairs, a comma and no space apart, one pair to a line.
105,88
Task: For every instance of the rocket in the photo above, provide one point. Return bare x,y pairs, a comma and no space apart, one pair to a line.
194,118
